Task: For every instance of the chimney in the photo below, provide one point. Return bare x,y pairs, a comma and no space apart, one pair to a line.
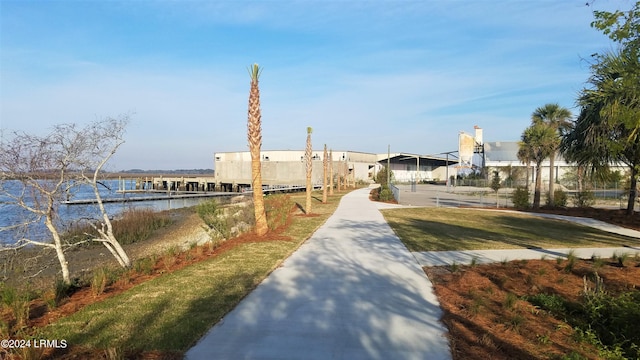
478,134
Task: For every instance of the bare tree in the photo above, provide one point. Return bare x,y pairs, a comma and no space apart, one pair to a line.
39,172
29,184
98,142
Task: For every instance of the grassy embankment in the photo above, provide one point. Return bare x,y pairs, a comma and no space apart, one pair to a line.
170,313
442,229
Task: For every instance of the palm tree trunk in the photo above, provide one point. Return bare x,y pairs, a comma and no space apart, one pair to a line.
254,134
632,191
331,172
536,194
552,178
580,185
325,164
307,155
339,175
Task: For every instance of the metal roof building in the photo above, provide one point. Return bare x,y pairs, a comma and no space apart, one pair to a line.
287,167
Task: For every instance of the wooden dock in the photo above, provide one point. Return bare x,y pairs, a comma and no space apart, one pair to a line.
201,184
164,196
158,195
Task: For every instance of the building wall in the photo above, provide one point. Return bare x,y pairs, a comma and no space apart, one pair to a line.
561,168
287,167
407,172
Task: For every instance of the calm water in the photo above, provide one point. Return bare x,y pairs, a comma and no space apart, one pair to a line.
12,215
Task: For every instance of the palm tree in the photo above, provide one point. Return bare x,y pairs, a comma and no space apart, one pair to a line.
254,133
525,158
307,157
325,165
331,172
607,131
559,119
537,143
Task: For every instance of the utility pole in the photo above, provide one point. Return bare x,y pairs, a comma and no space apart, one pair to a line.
447,169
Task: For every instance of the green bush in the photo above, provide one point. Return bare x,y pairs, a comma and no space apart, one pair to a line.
520,198
208,212
386,194
606,321
213,216
61,291
144,266
584,199
382,193
614,320
227,221
560,199
381,176
17,302
552,303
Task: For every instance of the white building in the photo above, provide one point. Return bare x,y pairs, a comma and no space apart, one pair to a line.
500,154
413,167
287,167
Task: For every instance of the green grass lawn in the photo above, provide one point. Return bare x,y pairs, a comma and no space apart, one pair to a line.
173,311
439,229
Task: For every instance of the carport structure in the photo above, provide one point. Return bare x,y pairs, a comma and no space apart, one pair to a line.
408,167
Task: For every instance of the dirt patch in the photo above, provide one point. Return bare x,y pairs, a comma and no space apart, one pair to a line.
488,318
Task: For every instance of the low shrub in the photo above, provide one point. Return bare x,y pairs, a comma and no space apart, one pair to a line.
58,293
213,216
144,266
520,198
385,194
560,199
552,303
382,193
606,321
584,199
226,221
17,302
99,281
278,208
613,320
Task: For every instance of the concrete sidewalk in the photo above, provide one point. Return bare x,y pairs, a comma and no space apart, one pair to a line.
352,291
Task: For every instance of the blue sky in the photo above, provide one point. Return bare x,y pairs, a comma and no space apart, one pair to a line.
363,74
